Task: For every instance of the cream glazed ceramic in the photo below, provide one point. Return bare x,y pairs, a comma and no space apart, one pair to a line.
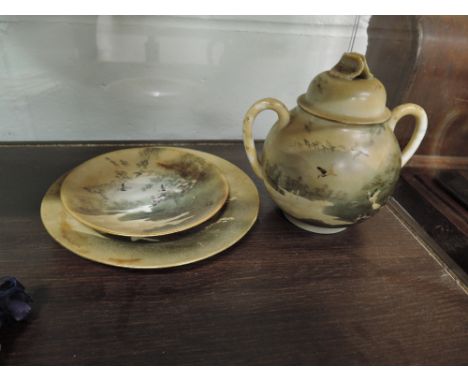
148,191
223,230
333,160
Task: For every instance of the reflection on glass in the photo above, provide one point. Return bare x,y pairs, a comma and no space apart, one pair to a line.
164,77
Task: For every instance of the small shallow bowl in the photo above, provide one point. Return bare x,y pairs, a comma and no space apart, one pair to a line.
148,191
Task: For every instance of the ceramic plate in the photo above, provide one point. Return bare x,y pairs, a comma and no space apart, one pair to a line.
148,191
217,234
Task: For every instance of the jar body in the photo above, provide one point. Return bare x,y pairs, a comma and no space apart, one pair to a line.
330,174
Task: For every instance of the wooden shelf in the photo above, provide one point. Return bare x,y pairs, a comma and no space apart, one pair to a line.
377,293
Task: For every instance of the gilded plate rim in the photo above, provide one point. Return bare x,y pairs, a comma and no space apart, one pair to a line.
159,232
243,205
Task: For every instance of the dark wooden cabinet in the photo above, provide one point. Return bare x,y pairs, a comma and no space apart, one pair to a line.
422,59
388,291
377,293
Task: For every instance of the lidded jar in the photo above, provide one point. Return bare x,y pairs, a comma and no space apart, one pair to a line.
333,160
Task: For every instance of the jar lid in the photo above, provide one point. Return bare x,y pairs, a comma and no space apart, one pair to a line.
347,93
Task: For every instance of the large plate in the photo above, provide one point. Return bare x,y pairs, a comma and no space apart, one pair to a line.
219,233
148,191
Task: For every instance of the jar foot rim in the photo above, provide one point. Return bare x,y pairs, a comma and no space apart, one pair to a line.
313,228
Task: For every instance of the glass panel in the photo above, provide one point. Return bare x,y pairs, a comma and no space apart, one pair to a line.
127,77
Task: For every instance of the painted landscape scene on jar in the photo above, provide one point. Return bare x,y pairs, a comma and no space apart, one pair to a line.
331,177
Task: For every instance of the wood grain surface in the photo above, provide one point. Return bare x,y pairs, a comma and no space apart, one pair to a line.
422,59
281,296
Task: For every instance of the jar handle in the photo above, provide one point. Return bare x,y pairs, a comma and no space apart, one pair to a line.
419,130
255,109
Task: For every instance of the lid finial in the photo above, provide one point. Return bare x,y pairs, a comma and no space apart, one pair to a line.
352,66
